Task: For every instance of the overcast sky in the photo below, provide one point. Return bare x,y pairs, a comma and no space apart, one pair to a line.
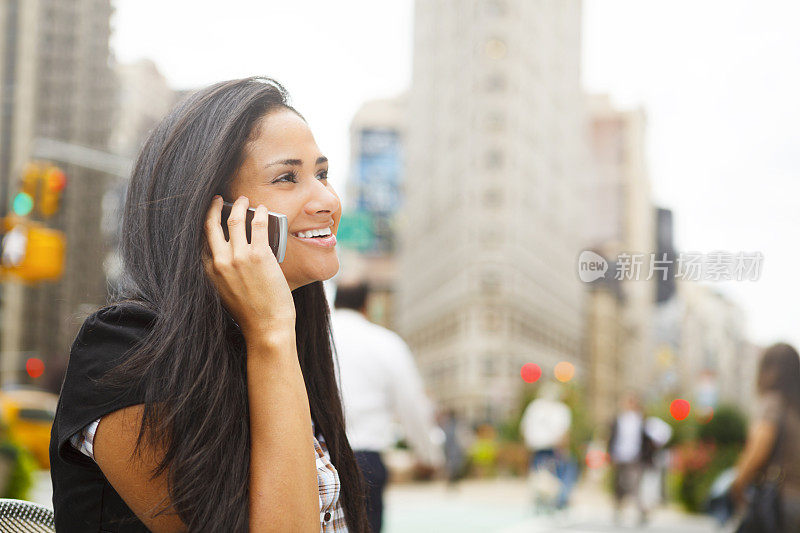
718,80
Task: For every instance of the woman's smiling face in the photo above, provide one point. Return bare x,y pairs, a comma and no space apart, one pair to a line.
284,170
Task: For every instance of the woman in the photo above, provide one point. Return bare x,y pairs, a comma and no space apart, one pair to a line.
199,396
773,443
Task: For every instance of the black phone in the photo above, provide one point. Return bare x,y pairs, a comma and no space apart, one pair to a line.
277,229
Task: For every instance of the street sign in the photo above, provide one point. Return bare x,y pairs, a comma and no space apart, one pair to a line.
31,252
356,231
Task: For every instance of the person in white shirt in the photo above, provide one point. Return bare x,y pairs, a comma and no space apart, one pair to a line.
379,382
545,428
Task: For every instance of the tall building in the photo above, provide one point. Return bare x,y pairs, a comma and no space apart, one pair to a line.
701,349
622,220
665,249
374,187
714,360
143,99
373,197
55,83
491,225
605,339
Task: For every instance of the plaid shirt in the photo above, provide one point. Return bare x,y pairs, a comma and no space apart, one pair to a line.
331,514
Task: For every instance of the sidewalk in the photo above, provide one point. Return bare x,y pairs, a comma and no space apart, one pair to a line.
502,506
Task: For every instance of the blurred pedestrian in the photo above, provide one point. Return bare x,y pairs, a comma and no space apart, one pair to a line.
483,451
652,487
632,451
770,457
456,440
379,382
545,428
203,396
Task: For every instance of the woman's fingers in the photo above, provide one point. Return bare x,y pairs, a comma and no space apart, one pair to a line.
236,226
252,288
216,237
260,230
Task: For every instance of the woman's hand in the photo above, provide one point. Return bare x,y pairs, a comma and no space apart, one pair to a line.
247,276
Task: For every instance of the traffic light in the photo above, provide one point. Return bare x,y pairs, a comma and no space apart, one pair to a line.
29,189
40,187
30,251
54,182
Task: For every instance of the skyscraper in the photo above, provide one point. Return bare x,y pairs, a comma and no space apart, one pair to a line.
492,219
55,83
143,99
622,220
373,201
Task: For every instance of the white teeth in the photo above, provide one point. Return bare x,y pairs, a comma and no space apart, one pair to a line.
313,233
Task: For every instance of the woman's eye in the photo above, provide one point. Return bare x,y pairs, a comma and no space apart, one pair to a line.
323,175
285,177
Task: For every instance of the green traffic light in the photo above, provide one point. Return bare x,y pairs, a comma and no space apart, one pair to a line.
23,203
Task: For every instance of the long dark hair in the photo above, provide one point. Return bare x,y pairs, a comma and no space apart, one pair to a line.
779,370
192,364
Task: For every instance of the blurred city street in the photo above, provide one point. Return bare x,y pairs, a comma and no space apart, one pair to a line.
502,506
499,505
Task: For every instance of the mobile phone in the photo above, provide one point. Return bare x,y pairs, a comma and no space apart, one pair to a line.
277,229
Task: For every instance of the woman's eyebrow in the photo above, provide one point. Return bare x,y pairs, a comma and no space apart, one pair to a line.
296,162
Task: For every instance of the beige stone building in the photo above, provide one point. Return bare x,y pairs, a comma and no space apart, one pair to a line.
143,99
621,220
605,338
714,362
492,220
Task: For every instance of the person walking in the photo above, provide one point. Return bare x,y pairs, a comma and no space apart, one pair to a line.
457,439
769,460
545,426
379,383
202,397
631,451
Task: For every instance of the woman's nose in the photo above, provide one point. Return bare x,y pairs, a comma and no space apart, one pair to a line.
322,198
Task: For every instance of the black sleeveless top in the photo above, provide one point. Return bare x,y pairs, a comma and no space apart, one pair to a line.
83,499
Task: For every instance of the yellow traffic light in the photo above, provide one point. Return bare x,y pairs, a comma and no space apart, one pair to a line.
40,188
32,252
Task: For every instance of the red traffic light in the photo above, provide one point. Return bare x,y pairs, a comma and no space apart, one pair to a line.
56,180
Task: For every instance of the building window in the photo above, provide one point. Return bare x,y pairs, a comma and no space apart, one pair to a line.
495,82
492,197
490,283
494,159
496,8
496,49
495,121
